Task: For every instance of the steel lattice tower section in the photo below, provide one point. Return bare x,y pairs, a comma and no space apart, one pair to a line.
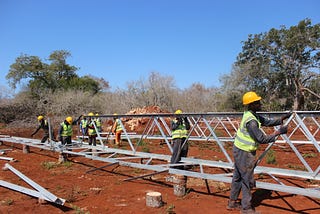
215,130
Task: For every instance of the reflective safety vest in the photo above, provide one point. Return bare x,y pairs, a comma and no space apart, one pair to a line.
66,130
98,122
180,132
118,126
243,139
92,131
84,123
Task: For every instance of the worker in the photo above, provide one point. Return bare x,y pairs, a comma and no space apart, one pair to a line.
98,122
92,133
248,137
117,129
65,130
180,126
44,125
83,127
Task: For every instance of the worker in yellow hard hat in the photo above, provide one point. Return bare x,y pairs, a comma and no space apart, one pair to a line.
83,127
179,126
66,131
117,129
248,137
98,122
92,132
45,126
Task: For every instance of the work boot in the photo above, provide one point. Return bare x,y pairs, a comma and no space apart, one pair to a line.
233,205
249,211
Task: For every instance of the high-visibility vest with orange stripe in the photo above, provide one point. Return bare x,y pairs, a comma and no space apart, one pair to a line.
118,126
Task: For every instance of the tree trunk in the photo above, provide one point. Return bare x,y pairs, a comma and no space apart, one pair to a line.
299,97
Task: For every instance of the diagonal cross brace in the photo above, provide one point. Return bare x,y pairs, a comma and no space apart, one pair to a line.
42,191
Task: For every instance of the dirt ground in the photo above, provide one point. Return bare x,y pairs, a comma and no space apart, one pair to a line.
106,191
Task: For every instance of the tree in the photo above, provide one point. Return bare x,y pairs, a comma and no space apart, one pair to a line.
51,77
281,65
157,90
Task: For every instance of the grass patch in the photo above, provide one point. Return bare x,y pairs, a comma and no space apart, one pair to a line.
170,209
49,165
271,157
67,164
7,202
79,210
296,167
309,155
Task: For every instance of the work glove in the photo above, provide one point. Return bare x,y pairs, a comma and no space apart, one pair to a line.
286,116
32,135
283,130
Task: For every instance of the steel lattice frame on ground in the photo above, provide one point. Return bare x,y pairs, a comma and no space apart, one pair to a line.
214,128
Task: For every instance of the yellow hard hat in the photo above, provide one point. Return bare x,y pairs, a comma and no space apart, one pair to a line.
97,114
250,97
40,117
115,114
90,114
69,119
178,111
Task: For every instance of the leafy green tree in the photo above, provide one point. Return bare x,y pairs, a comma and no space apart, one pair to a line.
58,75
282,65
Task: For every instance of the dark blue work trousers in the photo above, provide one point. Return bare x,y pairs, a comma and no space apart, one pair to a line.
180,149
243,179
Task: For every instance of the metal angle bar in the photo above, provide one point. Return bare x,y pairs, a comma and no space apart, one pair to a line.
98,134
286,172
224,126
163,135
42,190
163,122
288,189
6,158
127,158
297,153
316,172
150,126
102,167
276,187
233,126
296,127
276,179
126,134
318,125
219,143
21,189
147,175
309,135
192,120
149,161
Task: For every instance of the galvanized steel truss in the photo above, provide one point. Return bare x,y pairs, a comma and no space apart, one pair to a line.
214,129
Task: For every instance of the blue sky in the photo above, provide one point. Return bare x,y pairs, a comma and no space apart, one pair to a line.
194,41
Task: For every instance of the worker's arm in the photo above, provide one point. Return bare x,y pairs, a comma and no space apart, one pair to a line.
35,132
76,121
186,122
273,122
257,134
175,123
